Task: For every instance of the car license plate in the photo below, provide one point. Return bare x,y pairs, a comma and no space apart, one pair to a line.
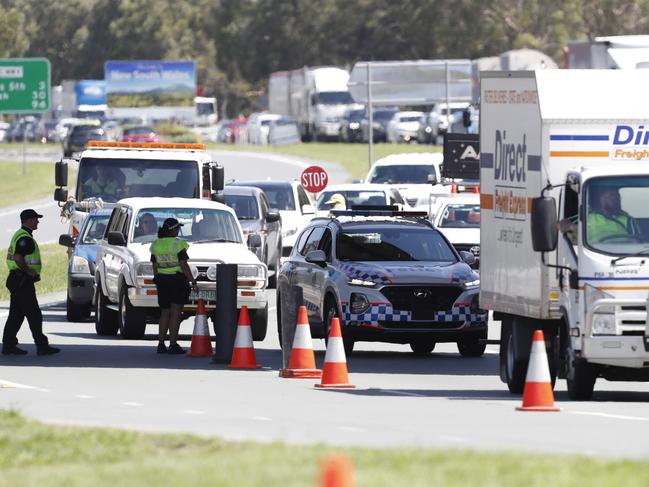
206,295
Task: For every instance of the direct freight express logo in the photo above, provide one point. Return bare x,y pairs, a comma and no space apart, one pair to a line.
631,143
626,142
510,159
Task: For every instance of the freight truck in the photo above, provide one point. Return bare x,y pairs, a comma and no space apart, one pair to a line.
315,97
565,221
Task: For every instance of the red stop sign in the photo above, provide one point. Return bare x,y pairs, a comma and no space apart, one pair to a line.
314,179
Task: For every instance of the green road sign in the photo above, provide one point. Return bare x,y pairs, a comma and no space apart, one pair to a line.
24,85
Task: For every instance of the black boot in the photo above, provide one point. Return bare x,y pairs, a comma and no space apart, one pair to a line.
13,350
47,350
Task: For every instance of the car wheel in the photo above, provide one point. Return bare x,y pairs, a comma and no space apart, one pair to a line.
422,347
259,323
331,312
132,320
76,312
278,308
474,346
272,280
105,319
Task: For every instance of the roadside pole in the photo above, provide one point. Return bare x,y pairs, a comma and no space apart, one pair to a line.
24,158
370,142
448,107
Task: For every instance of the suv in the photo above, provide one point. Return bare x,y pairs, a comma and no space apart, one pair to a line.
125,295
79,136
389,277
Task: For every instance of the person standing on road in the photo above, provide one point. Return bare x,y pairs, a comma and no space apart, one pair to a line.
24,263
171,276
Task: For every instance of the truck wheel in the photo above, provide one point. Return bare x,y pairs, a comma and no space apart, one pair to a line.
422,347
581,378
474,346
259,323
105,319
515,370
132,320
76,312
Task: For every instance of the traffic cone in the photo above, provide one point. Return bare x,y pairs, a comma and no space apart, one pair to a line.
537,394
243,354
201,340
476,189
334,371
453,188
337,471
302,362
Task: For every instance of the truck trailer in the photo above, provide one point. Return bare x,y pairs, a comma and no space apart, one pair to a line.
565,221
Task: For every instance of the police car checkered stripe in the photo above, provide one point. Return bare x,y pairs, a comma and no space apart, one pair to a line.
385,312
355,271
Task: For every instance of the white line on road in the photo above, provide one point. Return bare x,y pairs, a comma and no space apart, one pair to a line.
607,415
133,404
261,418
193,411
5,384
84,396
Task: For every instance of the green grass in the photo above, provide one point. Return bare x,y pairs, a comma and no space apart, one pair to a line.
35,454
55,271
15,187
352,157
29,145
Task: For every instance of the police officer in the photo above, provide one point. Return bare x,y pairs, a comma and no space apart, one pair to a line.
171,276
24,262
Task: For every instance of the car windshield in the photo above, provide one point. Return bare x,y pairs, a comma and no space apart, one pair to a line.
243,205
410,118
460,216
279,197
352,198
356,115
199,224
402,174
453,110
94,229
617,215
114,179
396,243
138,131
383,115
334,98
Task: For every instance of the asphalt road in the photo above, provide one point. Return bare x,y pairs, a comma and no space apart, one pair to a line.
442,401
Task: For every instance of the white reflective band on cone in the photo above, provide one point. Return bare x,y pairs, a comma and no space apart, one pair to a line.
244,337
302,339
538,370
335,351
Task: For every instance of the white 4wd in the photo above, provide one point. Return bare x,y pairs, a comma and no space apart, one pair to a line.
125,292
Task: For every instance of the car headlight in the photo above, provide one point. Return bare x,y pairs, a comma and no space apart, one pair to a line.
358,303
354,125
360,282
471,284
250,271
80,265
144,269
604,324
211,273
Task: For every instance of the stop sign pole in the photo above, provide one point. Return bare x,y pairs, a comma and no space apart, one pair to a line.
314,179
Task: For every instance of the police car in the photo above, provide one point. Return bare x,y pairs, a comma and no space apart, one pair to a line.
390,277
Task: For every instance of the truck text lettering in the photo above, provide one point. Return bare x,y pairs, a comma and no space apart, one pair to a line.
509,158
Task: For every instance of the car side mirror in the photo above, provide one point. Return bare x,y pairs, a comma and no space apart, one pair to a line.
431,179
66,240
254,241
272,216
467,257
316,257
116,238
308,209
61,194
544,224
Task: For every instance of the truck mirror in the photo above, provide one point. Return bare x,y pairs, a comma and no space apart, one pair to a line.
218,178
573,279
61,174
61,194
544,224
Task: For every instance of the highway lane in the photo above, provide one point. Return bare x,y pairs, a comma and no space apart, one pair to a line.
442,401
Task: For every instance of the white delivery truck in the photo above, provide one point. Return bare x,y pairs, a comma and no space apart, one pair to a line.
565,221
315,97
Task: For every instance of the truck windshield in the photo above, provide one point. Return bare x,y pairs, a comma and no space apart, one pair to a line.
401,174
199,224
396,243
114,179
617,214
334,98
461,216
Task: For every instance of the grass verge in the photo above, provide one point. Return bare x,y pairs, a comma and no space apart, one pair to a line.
54,276
352,157
16,187
35,454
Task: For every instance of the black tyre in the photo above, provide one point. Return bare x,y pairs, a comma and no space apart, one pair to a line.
474,346
76,312
330,312
278,308
580,380
132,320
422,347
515,370
259,323
105,319
272,280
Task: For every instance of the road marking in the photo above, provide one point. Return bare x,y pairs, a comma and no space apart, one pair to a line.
193,411
84,396
261,418
403,393
5,384
133,404
611,416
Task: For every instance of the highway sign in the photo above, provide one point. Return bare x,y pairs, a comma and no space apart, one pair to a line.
314,179
24,85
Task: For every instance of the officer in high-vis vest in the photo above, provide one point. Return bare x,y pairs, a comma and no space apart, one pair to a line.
24,263
172,276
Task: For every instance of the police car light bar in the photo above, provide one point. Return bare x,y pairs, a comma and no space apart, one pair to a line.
378,210
141,145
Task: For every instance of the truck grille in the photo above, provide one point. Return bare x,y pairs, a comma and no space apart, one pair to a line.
421,298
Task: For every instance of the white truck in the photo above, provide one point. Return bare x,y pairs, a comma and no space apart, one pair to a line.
127,169
565,221
315,97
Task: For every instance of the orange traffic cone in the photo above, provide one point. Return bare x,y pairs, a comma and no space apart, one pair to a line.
537,395
243,355
302,363
337,471
334,372
476,189
453,188
201,340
